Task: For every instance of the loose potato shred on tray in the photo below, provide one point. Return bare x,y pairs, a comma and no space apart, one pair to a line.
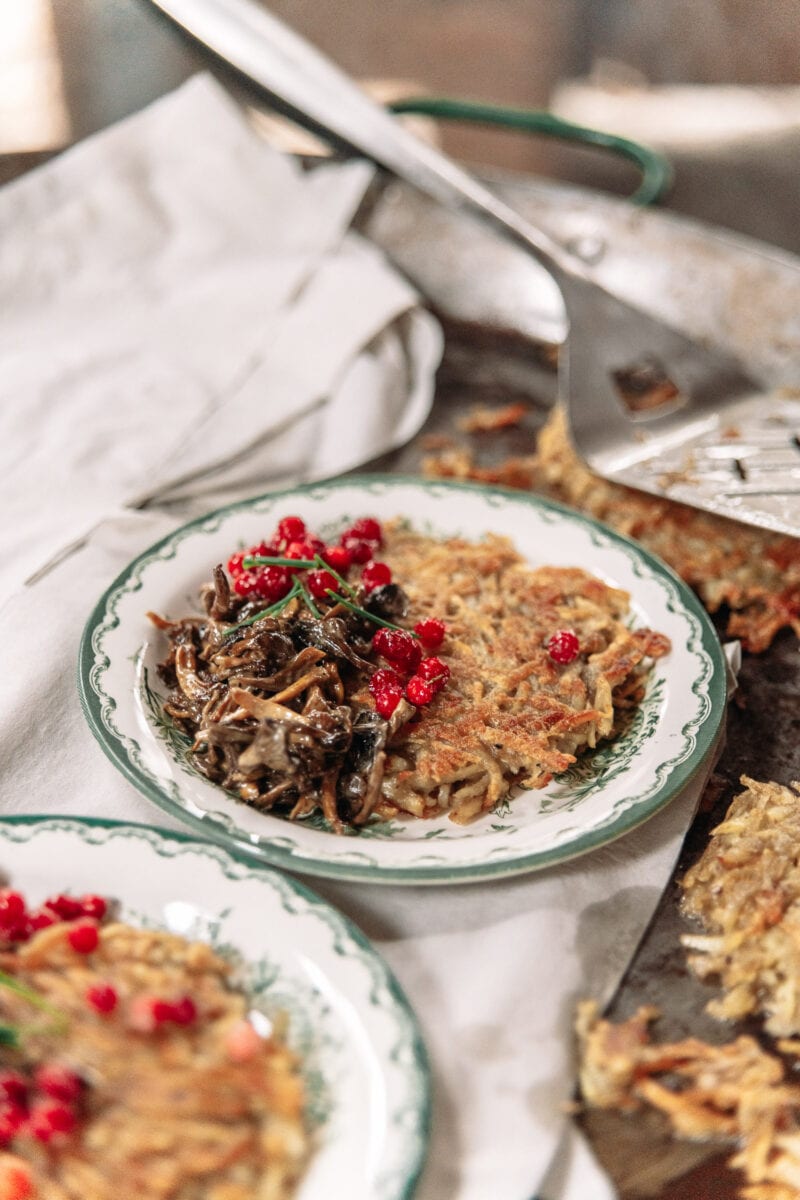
745,889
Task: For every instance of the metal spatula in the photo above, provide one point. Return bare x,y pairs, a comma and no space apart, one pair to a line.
647,406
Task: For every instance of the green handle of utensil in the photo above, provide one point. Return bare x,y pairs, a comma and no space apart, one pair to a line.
655,168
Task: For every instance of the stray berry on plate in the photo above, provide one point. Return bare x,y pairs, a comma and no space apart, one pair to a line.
563,647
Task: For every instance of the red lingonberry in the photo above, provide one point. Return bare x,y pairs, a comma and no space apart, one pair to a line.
399,648
12,908
359,550
290,529
235,561
94,906
375,575
419,691
42,918
184,1011
162,1010
387,700
102,997
83,937
15,1180
57,1082
368,529
337,557
563,647
435,672
431,632
246,584
8,1129
382,679
262,550
272,583
17,933
13,1089
301,550
320,583
48,1118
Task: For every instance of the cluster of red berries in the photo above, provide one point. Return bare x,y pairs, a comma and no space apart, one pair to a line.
45,1105
358,545
408,674
18,923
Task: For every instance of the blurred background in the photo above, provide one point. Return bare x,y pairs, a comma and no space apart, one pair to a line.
714,83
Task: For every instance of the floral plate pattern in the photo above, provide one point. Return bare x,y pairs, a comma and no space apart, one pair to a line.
364,1063
602,797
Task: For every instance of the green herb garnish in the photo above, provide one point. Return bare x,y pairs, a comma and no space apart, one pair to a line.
259,560
12,1035
272,611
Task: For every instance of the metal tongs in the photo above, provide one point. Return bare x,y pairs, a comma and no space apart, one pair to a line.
647,406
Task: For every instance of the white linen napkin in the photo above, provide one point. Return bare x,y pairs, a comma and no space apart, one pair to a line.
175,294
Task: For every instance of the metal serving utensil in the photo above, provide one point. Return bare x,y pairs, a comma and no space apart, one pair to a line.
647,405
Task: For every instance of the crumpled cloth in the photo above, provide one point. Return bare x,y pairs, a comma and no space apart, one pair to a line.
188,317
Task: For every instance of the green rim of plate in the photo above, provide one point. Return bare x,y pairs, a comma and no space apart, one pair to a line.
408,1053
103,616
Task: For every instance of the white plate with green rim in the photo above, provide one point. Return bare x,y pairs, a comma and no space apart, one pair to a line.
603,796
364,1063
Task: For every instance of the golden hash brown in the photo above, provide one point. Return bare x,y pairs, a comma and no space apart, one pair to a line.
754,572
509,715
734,1092
168,1116
745,889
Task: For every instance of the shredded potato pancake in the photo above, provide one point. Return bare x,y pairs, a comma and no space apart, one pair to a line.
177,1113
745,889
755,573
510,715
734,1092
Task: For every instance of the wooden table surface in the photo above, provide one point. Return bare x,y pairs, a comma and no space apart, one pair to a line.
99,81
